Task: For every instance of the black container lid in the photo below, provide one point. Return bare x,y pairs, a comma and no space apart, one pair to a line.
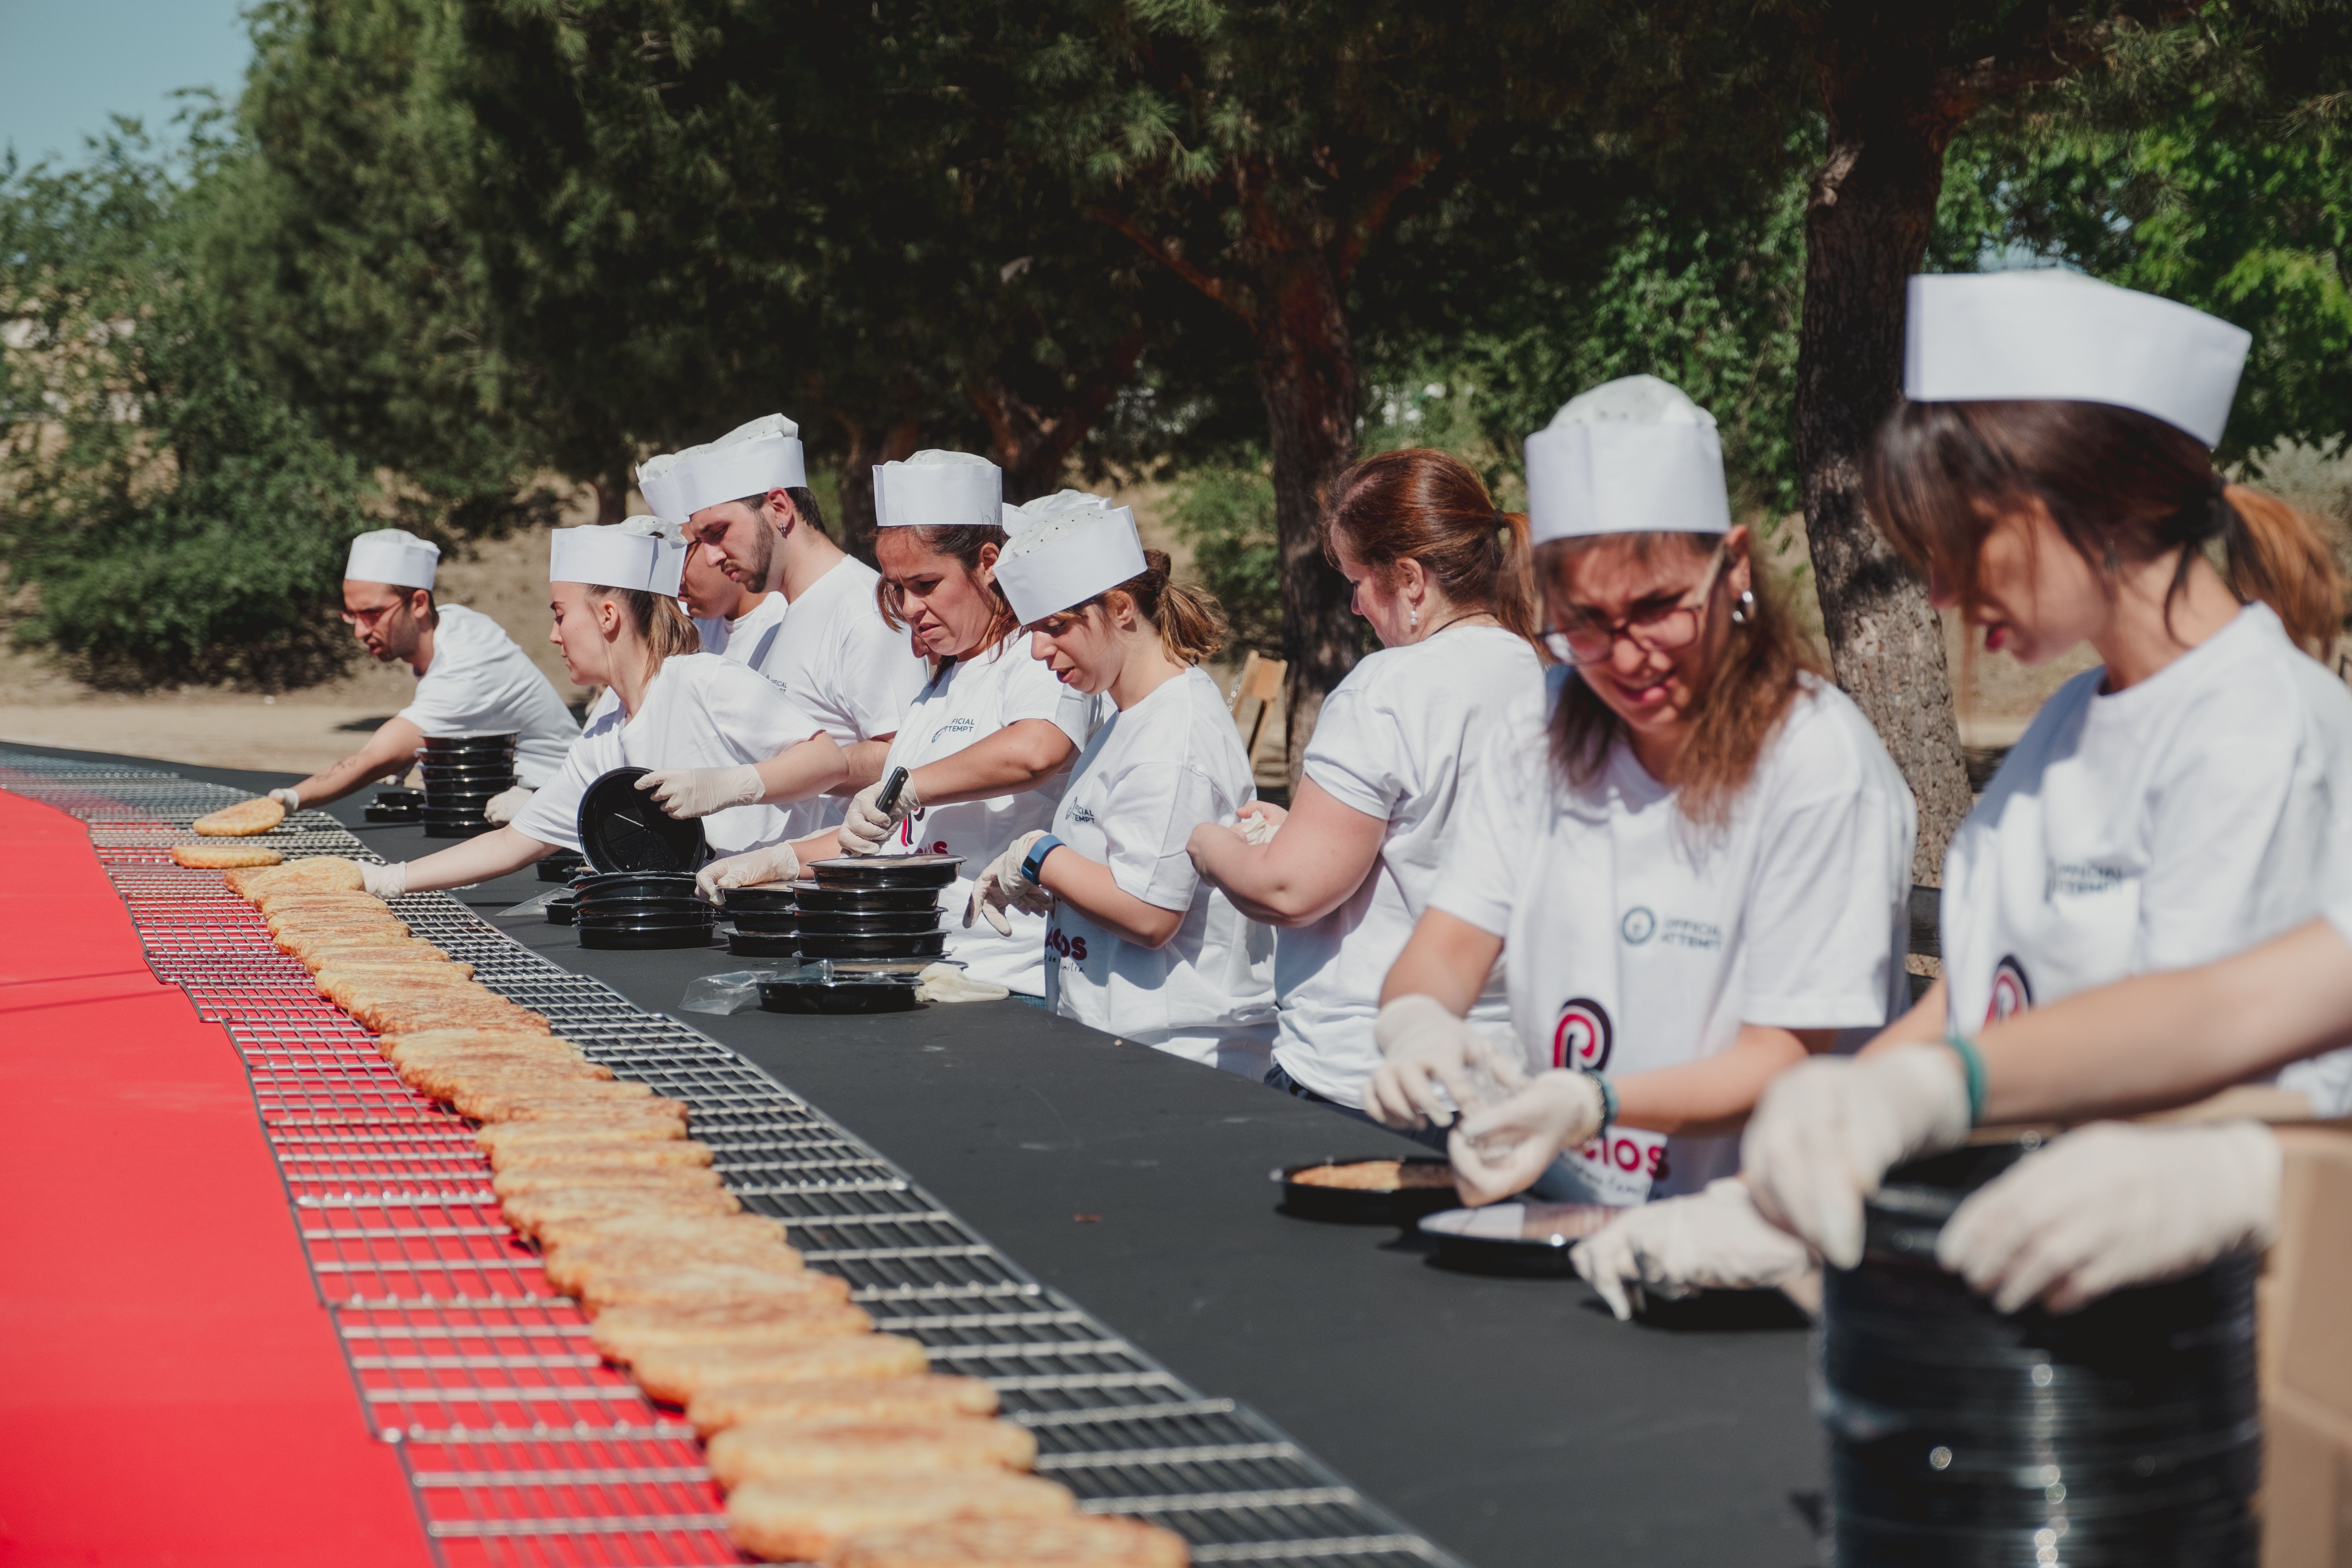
622,829
887,870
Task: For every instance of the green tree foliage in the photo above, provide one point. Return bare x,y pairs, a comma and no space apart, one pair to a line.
174,519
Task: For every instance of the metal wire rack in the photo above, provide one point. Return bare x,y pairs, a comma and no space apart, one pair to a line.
524,1447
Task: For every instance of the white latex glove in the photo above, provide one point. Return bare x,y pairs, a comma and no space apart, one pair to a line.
1502,1149
1710,1240
2111,1205
1003,884
1260,822
946,982
776,863
1431,1064
687,793
384,881
507,805
289,797
868,827
1826,1131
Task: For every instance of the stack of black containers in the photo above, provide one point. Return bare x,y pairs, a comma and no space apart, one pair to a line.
461,773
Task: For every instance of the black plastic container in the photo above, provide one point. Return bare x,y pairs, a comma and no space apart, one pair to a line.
895,945
879,922
1524,1239
781,922
621,828
1399,1206
2127,1433
463,745
625,887
560,910
396,805
817,896
849,994
900,872
585,918
561,867
763,943
624,939
769,898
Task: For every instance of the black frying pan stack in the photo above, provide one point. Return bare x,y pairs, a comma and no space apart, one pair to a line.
461,773
880,909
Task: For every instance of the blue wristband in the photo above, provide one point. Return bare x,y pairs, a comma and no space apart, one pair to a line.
1035,861
1972,1068
1608,1095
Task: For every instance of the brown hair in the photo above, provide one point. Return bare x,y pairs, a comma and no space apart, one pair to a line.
963,544
1747,694
2120,485
658,620
803,502
1191,627
1420,504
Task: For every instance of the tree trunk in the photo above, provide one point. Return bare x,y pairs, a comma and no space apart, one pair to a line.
1866,229
1306,374
612,489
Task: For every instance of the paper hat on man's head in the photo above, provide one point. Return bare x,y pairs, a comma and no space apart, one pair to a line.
748,460
644,554
1630,456
392,556
2004,337
939,489
1070,548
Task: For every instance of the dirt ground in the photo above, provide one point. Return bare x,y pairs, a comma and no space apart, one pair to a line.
302,730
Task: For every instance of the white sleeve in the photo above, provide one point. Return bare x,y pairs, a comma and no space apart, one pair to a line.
876,674
1829,887
1497,822
553,816
1359,755
1147,818
450,700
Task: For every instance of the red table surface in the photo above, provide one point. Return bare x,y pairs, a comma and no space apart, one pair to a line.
171,1391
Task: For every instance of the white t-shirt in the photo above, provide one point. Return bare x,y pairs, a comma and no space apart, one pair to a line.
700,711
1637,940
1400,739
480,683
2180,820
1148,778
967,701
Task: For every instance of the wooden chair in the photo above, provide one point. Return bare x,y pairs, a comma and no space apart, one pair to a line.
1257,697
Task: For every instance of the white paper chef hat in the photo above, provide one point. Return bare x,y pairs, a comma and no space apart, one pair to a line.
1997,337
644,552
939,489
1630,456
1070,547
392,556
748,460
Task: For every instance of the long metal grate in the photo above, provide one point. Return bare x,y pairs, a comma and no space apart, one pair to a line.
523,1447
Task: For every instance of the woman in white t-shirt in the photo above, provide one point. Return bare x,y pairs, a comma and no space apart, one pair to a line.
1137,945
613,593
987,743
1693,849
1443,579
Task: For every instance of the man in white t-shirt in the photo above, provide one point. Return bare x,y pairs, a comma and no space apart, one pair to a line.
471,679
745,505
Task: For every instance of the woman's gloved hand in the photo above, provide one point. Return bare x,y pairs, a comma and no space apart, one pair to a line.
2112,1204
1502,1149
384,881
690,793
1709,1240
1430,1065
507,805
868,827
290,798
1826,1131
1002,885
776,863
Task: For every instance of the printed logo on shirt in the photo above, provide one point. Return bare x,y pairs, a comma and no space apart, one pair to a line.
1073,950
1583,1036
2012,992
1638,926
1698,934
953,727
2080,878
1081,814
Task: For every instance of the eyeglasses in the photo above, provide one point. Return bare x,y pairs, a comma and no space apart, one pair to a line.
367,617
1588,639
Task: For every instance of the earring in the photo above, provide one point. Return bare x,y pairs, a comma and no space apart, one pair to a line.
1415,621
1745,608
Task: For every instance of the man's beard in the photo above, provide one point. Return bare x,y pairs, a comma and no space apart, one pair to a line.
400,639
764,558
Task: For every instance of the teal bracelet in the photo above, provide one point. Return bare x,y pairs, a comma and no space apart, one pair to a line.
1608,1095
1971,1065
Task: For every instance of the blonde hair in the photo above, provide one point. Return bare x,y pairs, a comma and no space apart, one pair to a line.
1191,623
659,622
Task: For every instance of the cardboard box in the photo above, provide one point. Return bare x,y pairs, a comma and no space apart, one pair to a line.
2305,1302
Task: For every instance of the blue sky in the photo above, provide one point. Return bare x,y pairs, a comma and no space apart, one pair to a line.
66,65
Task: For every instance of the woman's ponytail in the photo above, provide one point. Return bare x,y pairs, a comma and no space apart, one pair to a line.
1191,623
1515,597
2279,555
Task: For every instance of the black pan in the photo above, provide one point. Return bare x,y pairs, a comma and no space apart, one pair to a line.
1400,1206
786,923
769,898
832,922
887,871
632,940
864,900
763,943
865,994
897,944
1513,1239
560,866
622,829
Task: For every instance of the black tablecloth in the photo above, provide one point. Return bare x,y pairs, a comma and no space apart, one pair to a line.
1513,1421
